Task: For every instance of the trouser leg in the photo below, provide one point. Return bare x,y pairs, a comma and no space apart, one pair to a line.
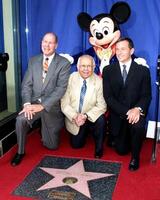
122,140
137,136
22,127
79,140
50,137
51,126
99,132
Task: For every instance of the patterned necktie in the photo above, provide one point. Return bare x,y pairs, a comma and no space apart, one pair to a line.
82,94
45,65
124,73
45,69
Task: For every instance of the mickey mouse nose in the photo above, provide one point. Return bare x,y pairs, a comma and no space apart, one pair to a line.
99,36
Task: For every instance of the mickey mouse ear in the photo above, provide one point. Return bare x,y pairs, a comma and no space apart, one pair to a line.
84,21
121,12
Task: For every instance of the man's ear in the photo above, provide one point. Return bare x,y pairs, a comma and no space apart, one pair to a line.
132,51
77,67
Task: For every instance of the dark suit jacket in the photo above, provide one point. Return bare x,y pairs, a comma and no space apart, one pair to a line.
119,97
51,91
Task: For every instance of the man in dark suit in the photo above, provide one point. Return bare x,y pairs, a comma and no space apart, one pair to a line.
127,91
43,86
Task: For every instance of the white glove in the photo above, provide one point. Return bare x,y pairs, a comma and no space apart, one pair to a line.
141,61
68,57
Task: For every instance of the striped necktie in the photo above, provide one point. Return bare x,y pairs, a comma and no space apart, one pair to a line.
45,65
82,94
45,69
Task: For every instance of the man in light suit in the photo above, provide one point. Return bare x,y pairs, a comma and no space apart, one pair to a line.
93,107
44,84
127,91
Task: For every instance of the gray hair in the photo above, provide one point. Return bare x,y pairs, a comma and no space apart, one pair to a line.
86,56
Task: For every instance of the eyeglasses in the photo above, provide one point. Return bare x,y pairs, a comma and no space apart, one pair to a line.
86,66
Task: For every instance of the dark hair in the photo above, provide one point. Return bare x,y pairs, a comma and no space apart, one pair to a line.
129,40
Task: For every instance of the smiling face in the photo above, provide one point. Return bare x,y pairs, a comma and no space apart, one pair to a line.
49,44
123,51
85,66
103,32
102,28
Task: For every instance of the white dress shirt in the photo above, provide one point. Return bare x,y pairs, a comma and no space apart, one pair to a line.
128,64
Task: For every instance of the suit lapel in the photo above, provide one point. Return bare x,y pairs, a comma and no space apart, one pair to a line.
130,73
77,88
117,74
39,70
90,89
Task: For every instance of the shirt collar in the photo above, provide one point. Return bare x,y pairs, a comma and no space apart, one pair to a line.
128,64
49,58
82,79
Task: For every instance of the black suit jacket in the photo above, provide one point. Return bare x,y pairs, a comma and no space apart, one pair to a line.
119,97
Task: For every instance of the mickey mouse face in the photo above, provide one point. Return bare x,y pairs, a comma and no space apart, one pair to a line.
101,29
103,32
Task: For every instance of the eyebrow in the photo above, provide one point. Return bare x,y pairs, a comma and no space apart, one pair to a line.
106,22
93,24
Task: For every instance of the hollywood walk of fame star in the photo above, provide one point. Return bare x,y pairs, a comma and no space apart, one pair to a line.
75,172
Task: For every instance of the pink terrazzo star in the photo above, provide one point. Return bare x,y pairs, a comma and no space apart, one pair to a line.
77,172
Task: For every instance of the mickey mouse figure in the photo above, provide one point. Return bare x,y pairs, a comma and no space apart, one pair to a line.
104,30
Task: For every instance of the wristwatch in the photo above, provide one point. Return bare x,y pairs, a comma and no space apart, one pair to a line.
140,109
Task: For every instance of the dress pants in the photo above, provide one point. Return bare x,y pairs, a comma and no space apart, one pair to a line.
130,138
98,130
50,137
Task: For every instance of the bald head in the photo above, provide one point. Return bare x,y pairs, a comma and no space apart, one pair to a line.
85,57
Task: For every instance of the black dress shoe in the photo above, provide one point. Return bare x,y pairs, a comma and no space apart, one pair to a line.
98,154
17,159
134,164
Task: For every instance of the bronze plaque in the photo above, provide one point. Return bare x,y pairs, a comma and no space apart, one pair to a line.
60,195
70,180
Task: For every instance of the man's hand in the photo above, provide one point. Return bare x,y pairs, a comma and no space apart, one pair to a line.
30,110
133,115
37,108
80,119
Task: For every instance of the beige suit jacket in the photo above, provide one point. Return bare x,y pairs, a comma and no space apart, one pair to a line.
94,104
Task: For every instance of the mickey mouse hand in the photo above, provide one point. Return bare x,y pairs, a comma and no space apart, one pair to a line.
141,61
68,57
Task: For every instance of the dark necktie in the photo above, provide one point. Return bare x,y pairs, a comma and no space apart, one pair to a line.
124,73
82,94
